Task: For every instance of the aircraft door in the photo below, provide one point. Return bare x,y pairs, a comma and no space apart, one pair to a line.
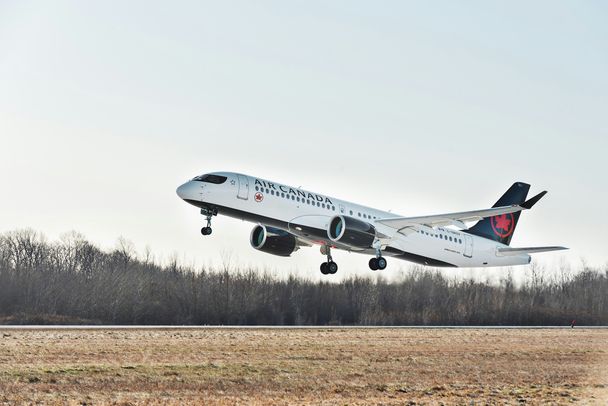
243,192
468,246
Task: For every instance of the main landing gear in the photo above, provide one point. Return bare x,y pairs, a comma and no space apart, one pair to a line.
378,262
329,267
208,214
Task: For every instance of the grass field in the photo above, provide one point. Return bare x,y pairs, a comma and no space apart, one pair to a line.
295,366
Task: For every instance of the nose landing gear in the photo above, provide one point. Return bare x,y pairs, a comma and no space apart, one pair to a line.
329,267
208,214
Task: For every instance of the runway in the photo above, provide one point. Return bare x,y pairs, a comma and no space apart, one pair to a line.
167,327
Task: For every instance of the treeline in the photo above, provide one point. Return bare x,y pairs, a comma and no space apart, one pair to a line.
73,281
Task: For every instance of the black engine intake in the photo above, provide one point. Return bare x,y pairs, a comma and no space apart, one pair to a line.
351,231
273,241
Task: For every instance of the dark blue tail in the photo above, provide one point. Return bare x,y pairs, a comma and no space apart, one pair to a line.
501,228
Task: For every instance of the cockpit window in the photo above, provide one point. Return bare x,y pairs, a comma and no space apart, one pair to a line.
217,179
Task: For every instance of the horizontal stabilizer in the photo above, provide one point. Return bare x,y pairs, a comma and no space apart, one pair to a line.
508,251
531,202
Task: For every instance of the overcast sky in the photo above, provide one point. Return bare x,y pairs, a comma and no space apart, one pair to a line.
419,107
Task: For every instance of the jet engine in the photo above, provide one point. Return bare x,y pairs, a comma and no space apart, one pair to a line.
273,241
351,231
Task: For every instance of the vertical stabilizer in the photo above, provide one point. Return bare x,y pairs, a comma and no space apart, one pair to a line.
500,228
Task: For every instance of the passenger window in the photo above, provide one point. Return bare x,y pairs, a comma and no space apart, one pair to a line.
256,189
351,212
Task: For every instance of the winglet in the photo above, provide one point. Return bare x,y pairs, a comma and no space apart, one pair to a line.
531,202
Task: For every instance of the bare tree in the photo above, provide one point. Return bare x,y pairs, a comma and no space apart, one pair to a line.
73,281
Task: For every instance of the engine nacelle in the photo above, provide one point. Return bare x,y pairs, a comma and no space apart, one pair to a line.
351,231
273,241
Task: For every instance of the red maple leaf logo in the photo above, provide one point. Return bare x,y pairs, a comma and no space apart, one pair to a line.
503,225
503,222
258,197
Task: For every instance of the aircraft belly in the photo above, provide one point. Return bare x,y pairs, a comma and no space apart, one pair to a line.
415,249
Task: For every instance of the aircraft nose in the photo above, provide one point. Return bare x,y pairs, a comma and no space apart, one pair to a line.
184,191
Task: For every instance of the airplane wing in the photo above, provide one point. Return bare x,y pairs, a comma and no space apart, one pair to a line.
407,225
508,251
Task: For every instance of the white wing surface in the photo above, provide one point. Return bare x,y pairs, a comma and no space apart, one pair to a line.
457,219
408,225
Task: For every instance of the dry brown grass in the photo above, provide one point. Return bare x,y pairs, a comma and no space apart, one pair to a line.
296,366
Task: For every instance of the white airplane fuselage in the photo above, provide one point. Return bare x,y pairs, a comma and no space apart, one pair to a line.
307,216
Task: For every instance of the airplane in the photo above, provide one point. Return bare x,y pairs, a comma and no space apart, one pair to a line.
288,218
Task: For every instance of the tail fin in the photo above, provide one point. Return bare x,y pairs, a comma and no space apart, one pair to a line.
501,228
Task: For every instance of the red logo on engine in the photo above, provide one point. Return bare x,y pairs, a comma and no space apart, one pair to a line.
258,197
503,225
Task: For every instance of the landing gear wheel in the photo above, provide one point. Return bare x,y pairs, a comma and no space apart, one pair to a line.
373,264
329,267
381,262
377,263
208,214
